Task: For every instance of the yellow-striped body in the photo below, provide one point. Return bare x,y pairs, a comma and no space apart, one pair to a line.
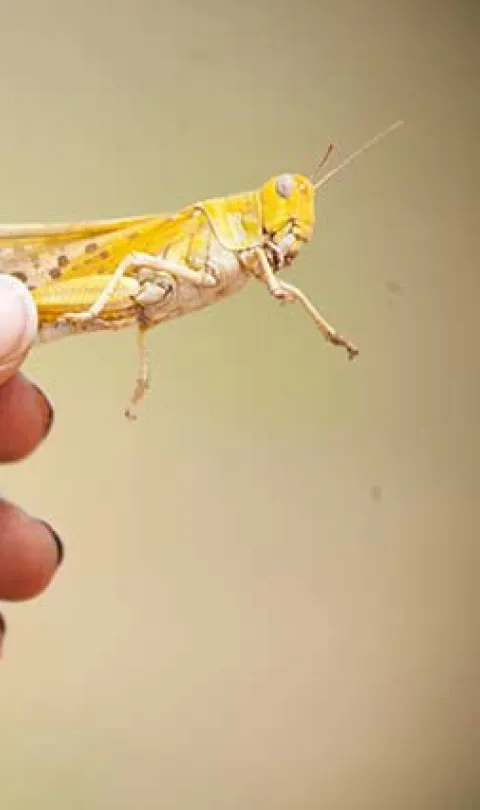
113,274
66,266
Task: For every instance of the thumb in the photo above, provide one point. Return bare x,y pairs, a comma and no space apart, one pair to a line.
18,324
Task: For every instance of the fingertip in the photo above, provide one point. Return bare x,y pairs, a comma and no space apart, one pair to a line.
31,553
26,418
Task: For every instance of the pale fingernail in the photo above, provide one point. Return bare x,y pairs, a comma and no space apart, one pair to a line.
47,407
18,322
58,542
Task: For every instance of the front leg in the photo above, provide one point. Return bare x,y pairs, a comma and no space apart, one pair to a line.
284,292
274,284
151,294
135,261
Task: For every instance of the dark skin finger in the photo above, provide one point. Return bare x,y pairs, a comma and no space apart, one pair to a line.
30,553
30,550
26,417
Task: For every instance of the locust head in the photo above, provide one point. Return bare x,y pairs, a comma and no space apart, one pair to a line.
288,204
288,214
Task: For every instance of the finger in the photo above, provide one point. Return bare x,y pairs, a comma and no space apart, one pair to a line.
18,324
30,553
26,417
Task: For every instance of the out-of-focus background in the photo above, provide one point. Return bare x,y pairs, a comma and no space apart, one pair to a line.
269,597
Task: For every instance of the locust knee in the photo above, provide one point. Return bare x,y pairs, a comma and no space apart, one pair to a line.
153,291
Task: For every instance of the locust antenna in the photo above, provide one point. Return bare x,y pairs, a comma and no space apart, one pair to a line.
379,137
321,164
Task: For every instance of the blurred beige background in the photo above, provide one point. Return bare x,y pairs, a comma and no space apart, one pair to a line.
269,597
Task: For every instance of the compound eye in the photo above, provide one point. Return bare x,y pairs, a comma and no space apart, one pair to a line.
285,186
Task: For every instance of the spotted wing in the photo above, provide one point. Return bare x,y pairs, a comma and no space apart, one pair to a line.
36,254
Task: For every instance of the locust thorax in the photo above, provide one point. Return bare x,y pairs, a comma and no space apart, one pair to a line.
288,215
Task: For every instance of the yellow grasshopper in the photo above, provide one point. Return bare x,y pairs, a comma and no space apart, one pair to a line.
141,271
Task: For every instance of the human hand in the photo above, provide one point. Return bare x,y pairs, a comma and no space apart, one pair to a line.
30,550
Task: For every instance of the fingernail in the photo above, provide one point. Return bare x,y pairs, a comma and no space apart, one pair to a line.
58,542
49,413
3,626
